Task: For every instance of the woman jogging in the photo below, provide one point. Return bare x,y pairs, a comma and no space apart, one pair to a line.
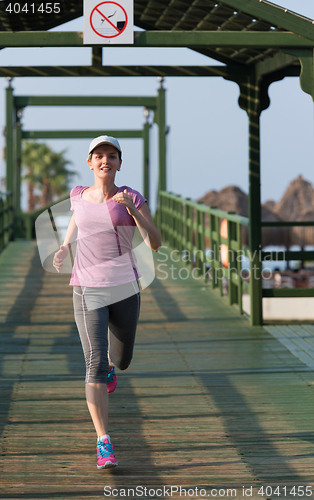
106,295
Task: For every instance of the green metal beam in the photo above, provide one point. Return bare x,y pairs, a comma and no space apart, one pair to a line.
288,292
80,134
146,102
287,224
275,15
213,39
278,62
219,39
231,71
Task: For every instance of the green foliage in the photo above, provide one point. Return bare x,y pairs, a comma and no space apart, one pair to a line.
46,171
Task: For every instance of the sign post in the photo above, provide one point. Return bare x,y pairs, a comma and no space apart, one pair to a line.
108,22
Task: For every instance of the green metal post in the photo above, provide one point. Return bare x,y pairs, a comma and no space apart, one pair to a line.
173,225
170,232
254,99
17,183
169,237
232,288
1,224
212,248
9,147
188,227
179,226
166,217
255,233
239,268
97,56
162,130
146,161
161,216
18,159
219,271
200,241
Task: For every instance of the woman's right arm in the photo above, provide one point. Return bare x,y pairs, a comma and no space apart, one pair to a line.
70,237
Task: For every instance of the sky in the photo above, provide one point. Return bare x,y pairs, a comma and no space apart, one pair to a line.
207,144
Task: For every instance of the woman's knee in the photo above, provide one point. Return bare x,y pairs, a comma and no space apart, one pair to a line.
122,362
97,374
97,367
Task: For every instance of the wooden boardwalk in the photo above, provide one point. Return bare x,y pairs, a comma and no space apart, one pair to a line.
208,402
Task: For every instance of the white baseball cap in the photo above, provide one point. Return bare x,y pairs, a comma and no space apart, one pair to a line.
104,139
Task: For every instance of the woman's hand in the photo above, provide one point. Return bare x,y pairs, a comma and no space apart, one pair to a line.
126,200
59,257
142,219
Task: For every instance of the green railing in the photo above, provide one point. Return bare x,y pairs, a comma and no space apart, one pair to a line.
194,228
29,218
6,219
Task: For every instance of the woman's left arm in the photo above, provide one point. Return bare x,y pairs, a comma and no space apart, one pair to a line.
142,218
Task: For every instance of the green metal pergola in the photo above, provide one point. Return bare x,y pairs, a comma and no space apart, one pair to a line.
258,43
84,134
15,105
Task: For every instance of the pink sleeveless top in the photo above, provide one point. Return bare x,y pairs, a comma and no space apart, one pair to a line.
104,255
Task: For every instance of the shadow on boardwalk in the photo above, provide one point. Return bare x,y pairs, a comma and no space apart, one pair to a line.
207,401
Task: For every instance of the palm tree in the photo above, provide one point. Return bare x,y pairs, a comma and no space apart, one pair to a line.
55,177
30,156
46,171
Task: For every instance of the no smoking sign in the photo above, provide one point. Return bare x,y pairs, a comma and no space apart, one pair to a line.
108,22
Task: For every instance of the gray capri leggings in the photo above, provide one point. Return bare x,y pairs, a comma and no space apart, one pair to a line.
99,324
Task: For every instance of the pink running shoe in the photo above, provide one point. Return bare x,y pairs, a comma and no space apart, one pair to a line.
111,381
105,454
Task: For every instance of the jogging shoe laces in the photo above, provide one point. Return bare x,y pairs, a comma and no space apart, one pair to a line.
105,454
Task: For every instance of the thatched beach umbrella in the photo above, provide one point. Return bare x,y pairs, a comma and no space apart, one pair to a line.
298,199
229,199
304,235
297,204
273,235
232,198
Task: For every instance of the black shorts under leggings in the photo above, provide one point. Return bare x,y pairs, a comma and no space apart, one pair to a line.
99,323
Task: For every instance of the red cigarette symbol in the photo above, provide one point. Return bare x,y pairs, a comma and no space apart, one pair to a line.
106,19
